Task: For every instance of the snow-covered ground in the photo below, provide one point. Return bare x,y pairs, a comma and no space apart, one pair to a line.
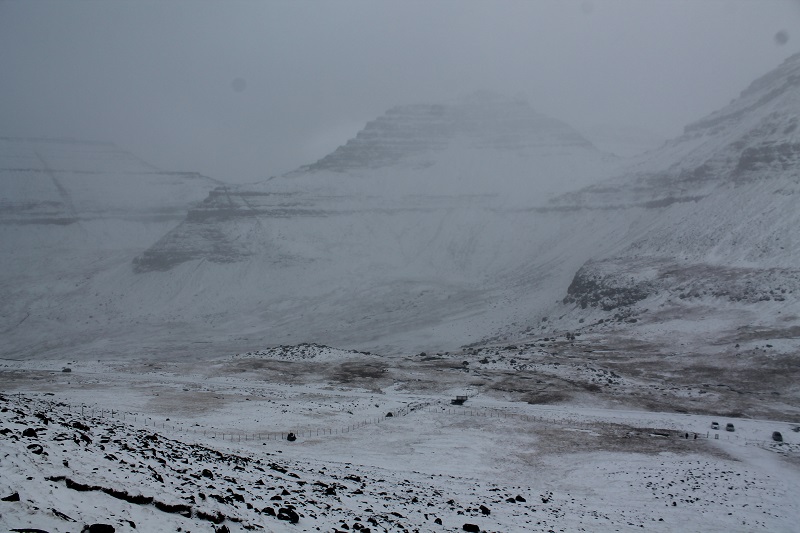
168,445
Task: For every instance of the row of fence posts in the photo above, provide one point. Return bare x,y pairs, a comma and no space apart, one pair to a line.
489,413
237,436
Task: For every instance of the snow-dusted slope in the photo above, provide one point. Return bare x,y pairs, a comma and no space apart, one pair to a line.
162,446
69,210
718,223
103,195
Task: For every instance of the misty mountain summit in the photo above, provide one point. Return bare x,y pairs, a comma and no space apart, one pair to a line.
420,160
416,135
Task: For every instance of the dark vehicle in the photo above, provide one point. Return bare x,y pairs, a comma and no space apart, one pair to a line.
729,426
777,437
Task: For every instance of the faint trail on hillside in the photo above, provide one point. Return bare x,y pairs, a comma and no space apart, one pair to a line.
18,324
66,197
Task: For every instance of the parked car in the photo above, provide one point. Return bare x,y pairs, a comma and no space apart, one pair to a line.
729,426
777,437
714,425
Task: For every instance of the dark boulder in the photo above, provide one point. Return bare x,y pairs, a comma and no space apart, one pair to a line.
36,448
284,513
80,487
11,498
98,528
214,517
472,528
80,425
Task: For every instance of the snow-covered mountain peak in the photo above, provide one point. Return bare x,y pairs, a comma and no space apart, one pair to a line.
482,153
412,135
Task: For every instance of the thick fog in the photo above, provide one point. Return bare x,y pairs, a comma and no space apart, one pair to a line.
245,90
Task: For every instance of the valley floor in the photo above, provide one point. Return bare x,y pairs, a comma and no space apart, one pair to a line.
160,446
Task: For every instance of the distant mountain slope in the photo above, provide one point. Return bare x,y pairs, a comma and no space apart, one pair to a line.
70,210
722,235
623,140
65,182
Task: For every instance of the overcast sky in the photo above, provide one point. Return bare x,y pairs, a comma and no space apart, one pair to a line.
245,90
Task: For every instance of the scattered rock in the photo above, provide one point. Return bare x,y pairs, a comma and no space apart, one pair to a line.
80,425
11,498
284,513
36,449
98,528
63,516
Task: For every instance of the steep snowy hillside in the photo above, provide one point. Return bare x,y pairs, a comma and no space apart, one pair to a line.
69,210
719,229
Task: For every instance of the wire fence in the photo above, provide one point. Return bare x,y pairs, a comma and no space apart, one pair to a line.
667,429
